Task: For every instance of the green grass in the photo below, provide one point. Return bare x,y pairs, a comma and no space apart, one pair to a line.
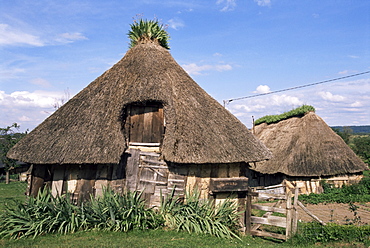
134,239
298,112
358,193
163,237
12,191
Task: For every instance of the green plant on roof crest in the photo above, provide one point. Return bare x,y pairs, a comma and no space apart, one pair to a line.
298,112
144,31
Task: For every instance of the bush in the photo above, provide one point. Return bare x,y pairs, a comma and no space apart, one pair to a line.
347,194
311,233
48,214
39,215
200,216
115,212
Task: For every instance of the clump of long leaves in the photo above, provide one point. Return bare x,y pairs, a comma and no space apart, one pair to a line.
116,212
148,30
196,215
42,214
48,214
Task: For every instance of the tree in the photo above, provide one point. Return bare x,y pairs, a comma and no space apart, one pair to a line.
345,134
8,138
362,148
143,31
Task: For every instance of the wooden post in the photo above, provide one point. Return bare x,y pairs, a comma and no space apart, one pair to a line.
311,214
295,212
248,211
132,169
288,215
7,176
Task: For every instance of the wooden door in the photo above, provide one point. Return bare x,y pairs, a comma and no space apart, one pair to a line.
146,123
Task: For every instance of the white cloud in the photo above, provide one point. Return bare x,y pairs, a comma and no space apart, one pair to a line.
263,2
347,103
176,23
37,99
285,100
13,37
343,72
257,107
229,5
41,82
28,109
353,56
326,95
223,67
357,104
194,69
10,73
70,37
261,89
24,118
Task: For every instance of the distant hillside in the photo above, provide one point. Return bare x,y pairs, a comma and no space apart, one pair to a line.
356,129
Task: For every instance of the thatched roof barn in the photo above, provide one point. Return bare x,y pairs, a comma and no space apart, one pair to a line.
90,128
306,147
143,125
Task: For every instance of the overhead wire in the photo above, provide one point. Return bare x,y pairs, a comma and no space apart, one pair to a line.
296,87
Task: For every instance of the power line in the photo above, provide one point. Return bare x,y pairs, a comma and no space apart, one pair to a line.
296,87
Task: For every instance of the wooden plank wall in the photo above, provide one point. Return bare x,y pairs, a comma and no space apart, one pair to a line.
139,170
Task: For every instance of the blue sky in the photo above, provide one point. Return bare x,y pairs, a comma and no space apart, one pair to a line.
50,50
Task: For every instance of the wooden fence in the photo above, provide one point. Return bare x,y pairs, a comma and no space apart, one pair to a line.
283,206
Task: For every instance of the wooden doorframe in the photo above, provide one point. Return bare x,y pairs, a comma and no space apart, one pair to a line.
145,122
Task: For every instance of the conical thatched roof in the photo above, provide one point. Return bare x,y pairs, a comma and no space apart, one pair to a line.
88,128
306,146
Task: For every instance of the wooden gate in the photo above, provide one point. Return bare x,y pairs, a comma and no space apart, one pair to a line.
283,206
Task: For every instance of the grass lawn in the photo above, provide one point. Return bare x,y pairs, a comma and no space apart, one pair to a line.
13,191
134,239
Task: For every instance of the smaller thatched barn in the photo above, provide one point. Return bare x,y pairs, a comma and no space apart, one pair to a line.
143,125
305,151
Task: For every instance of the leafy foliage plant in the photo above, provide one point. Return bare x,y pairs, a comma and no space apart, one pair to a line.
196,215
117,212
143,31
9,136
298,112
347,194
48,214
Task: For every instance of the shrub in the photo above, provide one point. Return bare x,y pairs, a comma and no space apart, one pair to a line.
115,212
39,215
200,216
48,214
347,194
311,233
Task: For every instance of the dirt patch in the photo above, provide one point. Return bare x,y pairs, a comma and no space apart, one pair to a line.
339,213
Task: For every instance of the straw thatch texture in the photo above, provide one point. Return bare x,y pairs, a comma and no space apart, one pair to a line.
89,127
306,146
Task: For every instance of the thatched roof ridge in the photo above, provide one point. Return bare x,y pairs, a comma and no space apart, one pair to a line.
88,128
306,146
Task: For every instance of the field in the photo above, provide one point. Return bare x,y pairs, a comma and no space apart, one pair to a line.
150,238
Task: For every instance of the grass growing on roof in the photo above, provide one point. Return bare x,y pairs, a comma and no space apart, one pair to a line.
298,112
